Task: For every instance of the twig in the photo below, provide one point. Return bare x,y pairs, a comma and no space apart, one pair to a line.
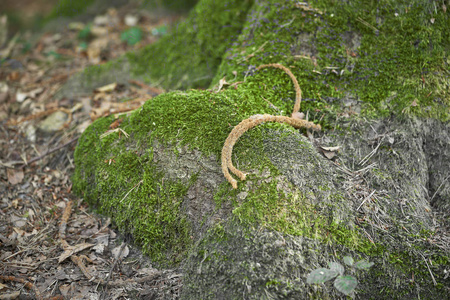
429,270
431,200
147,87
34,159
367,24
50,151
372,153
368,236
365,199
136,185
365,169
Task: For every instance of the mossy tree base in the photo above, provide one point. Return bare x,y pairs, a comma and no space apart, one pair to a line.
296,210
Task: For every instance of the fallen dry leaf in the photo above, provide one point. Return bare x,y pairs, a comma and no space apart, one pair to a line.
15,176
329,152
117,254
107,88
222,82
72,250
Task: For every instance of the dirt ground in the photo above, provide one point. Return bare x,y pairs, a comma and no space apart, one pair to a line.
51,244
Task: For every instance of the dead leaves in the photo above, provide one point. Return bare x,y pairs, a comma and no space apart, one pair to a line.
15,176
121,251
71,250
32,199
329,152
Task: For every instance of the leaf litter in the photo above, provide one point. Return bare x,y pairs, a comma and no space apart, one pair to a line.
51,245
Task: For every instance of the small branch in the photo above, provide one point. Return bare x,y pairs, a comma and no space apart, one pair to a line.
48,153
367,198
372,153
136,185
429,270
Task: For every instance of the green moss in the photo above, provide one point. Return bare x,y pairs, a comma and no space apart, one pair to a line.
190,55
127,186
124,182
203,119
405,56
69,8
173,5
95,71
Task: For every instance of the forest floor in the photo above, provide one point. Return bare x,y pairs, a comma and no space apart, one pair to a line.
51,244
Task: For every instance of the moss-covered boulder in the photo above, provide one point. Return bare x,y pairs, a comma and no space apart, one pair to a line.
372,74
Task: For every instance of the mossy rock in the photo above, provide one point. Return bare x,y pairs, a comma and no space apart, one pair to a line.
297,210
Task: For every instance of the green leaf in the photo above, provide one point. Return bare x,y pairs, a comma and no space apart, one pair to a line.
131,36
84,33
363,264
26,47
336,267
321,275
83,46
161,30
345,284
348,260
54,54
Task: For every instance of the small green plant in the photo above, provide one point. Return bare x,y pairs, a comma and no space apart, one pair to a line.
132,36
85,33
344,284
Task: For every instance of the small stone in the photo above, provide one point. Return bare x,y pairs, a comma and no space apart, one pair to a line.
131,20
30,133
101,20
18,221
54,122
242,195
